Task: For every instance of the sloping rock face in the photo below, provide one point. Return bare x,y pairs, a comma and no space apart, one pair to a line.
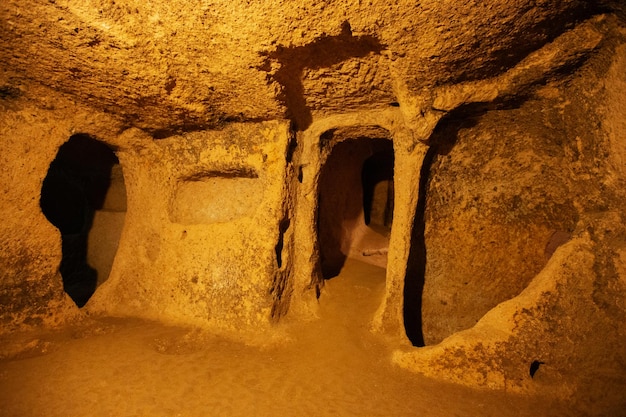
507,123
556,239
514,178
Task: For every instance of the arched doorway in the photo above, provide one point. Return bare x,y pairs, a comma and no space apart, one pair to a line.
355,205
83,195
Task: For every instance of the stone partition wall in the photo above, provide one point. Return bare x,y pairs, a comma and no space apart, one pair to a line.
202,227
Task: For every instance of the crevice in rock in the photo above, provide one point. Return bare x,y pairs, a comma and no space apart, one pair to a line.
534,367
282,284
283,227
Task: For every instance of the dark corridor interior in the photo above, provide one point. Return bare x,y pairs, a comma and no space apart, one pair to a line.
74,188
377,184
355,191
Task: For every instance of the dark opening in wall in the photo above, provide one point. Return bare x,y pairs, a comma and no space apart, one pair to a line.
84,196
283,227
355,206
377,182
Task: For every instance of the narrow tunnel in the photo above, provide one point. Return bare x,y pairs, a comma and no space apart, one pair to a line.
84,196
355,209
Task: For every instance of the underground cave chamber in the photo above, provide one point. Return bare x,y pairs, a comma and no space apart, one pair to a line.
84,196
355,209
381,196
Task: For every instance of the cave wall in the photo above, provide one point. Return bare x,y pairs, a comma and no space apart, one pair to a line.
515,293
204,255
31,285
202,227
494,217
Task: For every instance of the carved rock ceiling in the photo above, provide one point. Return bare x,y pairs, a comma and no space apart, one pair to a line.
184,65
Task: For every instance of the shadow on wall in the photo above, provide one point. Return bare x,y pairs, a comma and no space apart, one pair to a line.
74,190
416,263
324,52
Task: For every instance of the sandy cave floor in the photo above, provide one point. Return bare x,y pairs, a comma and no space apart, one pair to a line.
330,367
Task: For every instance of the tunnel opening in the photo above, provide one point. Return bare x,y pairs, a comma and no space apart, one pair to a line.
355,205
84,196
377,184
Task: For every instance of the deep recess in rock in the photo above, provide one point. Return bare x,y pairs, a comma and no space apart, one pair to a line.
534,367
347,194
377,183
75,187
284,225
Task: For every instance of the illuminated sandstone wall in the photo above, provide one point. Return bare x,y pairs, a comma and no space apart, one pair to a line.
200,234
524,243
507,124
202,226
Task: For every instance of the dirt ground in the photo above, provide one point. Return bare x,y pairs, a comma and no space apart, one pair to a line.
328,367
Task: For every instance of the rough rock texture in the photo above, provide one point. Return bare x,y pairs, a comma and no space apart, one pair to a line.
207,209
233,124
164,66
533,198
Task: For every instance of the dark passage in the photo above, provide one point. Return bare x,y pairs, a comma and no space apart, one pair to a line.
416,264
534,367
356,187
377,181
76,185
283,227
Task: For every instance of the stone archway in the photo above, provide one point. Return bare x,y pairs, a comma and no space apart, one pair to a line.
355,203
